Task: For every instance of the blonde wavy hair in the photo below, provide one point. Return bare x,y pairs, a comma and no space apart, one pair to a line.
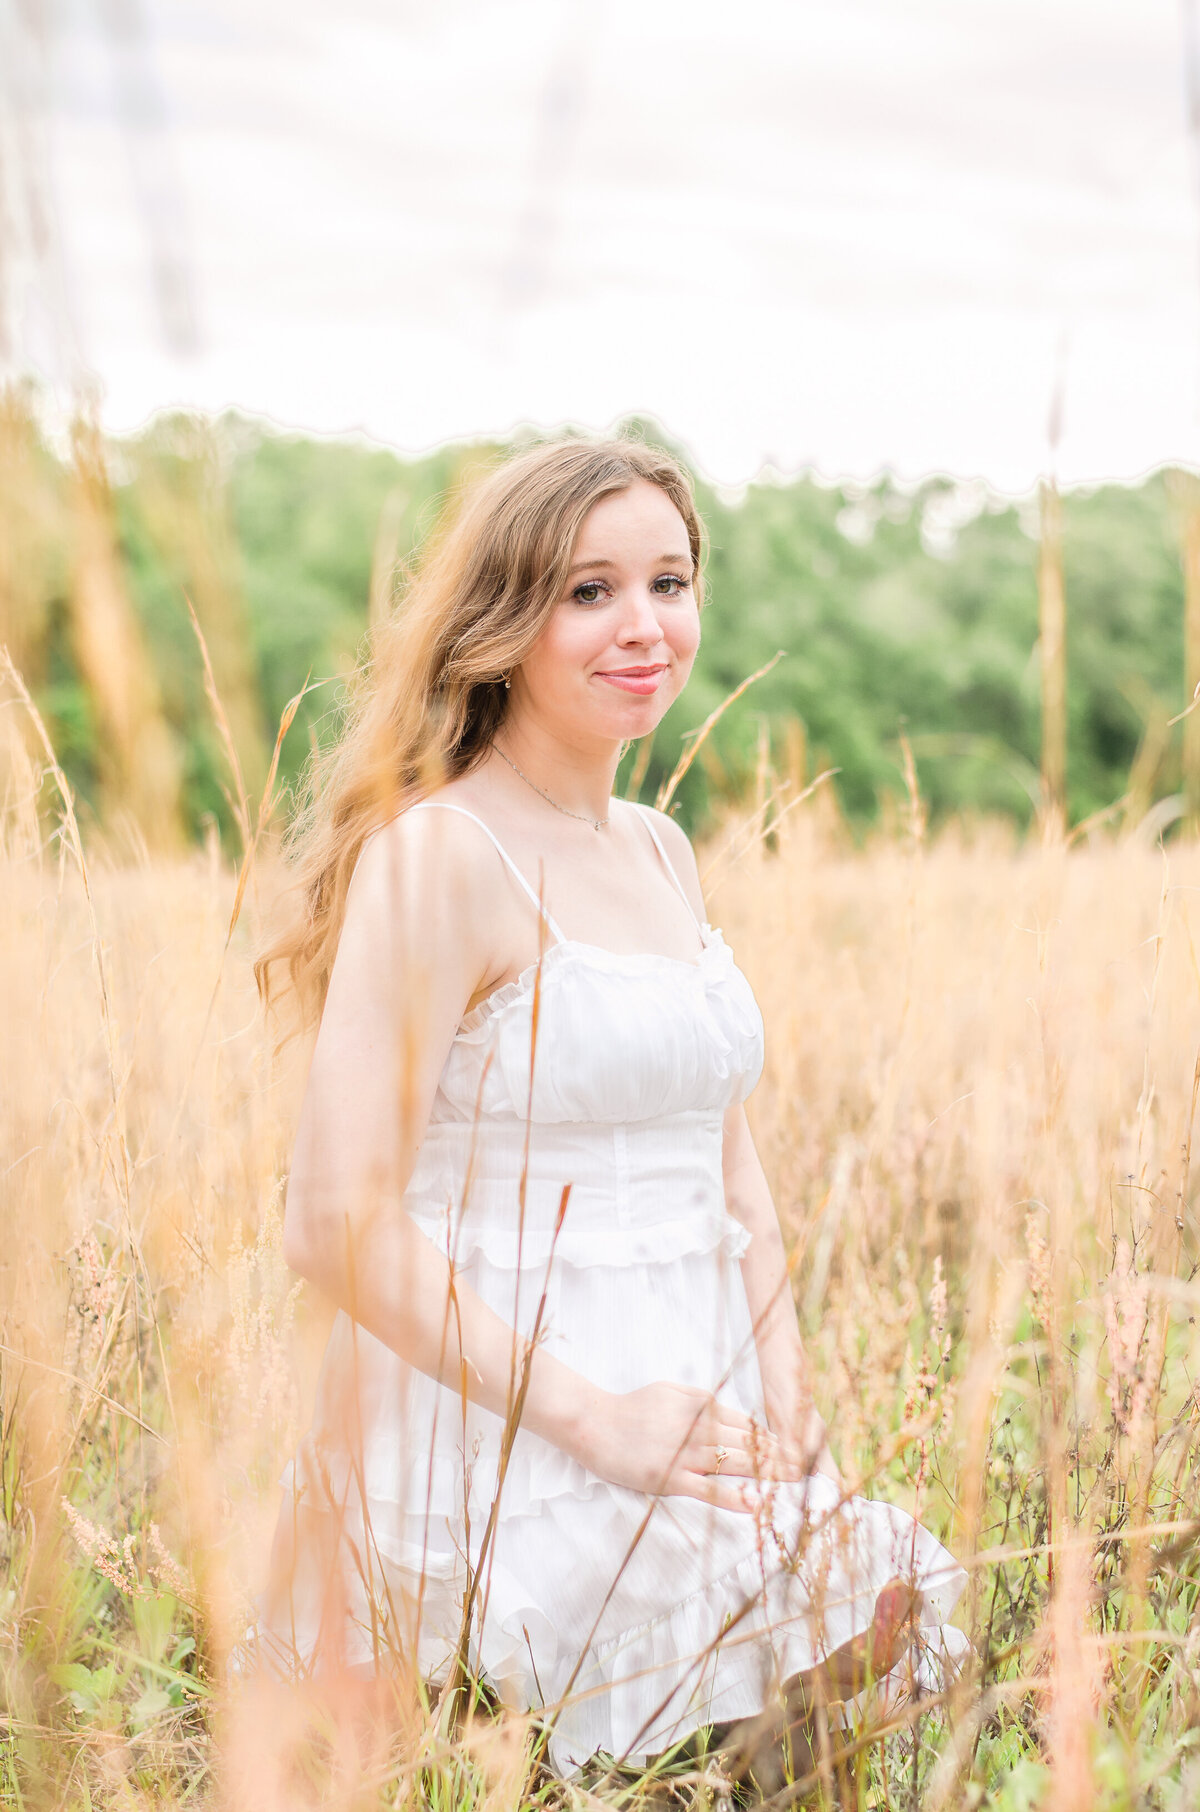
430,697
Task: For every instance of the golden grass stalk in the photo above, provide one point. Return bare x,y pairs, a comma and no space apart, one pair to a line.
696,739
641,762
181,494
139,761
250,832
33,531
1185,494
1052,629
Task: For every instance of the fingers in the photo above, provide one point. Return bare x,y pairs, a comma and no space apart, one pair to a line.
766,1456
732,1462
714,1488
767,1460
746,1492
797,1463
756,1454
725,1441
809,1440
713,1419
718,1429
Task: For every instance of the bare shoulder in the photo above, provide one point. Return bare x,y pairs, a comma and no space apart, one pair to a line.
434,863
680,853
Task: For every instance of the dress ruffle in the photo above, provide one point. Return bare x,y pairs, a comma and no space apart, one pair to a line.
656,1243
644,1688
786,1587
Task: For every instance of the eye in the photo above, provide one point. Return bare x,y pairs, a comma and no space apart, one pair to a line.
669,585
591,591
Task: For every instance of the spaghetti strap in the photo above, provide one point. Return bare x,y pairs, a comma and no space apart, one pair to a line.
666,860
444,805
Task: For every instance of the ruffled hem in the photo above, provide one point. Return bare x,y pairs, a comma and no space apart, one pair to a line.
615,1247
643,1688
428,1493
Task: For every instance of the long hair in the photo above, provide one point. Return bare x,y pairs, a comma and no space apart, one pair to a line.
430,697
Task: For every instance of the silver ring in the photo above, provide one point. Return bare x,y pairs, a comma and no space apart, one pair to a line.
722,1456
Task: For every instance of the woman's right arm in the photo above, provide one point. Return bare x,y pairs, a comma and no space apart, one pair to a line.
416,947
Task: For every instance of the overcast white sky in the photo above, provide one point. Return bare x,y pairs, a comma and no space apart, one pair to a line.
846,233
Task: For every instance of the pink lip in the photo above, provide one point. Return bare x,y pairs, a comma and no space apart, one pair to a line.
640,680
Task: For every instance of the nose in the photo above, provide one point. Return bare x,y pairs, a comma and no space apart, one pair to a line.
640,626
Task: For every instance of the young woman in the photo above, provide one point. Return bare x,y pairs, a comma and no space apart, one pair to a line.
563,1435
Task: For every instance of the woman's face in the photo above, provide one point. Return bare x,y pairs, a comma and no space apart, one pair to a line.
620,644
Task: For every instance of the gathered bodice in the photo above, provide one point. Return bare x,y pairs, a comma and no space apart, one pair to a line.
610,1072
619,1039
591,1035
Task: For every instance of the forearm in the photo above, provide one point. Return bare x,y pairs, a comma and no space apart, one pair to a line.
783,1366
780,1350
395,1283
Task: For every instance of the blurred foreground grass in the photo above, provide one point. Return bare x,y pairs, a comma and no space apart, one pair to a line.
977,1116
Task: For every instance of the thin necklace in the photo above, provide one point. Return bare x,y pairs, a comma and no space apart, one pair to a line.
596,823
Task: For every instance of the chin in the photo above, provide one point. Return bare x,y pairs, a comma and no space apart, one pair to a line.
621,717
640,717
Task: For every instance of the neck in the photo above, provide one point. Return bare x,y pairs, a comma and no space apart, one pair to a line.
579,779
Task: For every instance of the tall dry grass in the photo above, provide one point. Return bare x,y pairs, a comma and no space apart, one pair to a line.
977,1115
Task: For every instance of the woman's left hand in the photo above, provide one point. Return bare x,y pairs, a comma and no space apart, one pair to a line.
803,1442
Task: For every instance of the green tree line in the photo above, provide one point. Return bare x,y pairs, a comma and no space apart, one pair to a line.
907,609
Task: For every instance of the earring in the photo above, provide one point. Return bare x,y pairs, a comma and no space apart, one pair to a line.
507,683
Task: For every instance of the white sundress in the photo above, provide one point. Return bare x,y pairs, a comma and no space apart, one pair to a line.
632,1621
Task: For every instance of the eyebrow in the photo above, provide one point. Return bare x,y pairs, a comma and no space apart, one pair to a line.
663,560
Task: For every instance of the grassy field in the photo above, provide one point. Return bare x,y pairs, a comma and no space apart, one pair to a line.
977,1116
